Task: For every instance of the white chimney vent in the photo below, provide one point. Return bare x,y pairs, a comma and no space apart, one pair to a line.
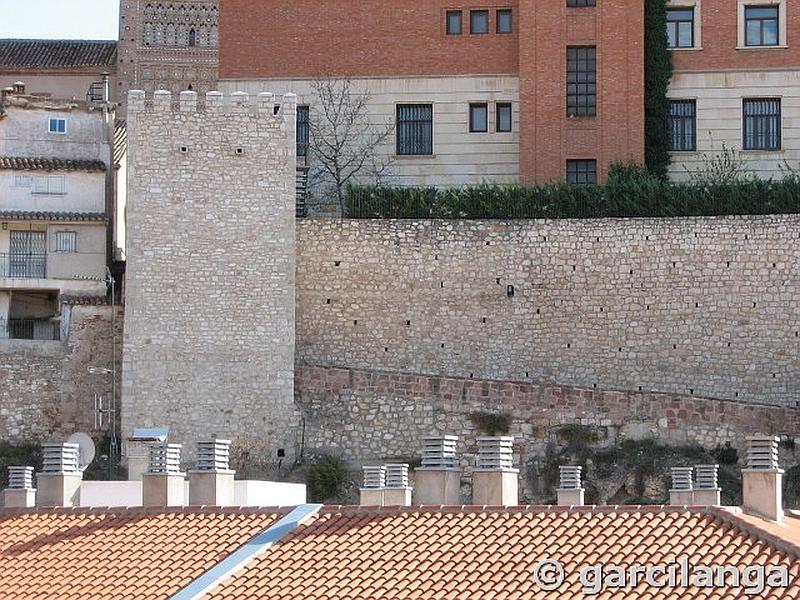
213,455
495,453
762,452
682,479
165,459
20,478
439,452
397,476
706,477
374,477
61,458
570,477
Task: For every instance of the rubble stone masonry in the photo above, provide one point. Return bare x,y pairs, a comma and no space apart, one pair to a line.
209,326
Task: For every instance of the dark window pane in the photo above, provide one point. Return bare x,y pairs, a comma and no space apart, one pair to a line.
581,81
682,125
504,21
414,129
479,21
582,172
302,131
504,117
761,125
580,3
454,22
761,26
478,118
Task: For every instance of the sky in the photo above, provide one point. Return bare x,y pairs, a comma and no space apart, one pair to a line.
62,19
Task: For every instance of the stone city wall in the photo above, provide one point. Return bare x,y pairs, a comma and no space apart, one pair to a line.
706,307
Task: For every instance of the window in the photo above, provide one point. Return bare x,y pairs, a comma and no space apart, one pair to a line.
414,129
762,123
581,81
192,38
503,121
761,25
479,118
582,172
580,3
66,241
57,125
680,27
23,181
479,21
454,22
302,131
682,125
48,185
505,21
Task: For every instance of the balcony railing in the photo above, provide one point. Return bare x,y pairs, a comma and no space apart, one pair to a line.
30,329
23,266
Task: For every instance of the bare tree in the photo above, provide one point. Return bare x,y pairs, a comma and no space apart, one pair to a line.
344,145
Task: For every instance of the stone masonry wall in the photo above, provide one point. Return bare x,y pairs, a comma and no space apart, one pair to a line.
46,389
209,323
708,307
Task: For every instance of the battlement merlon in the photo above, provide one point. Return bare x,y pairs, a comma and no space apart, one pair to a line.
264,103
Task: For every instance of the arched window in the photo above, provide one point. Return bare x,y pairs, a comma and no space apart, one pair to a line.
192,38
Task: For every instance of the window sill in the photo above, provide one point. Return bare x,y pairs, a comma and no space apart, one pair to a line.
413,156
48,193
778,47
692,49
757,151
684,152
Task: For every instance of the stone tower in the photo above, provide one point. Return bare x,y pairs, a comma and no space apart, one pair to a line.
209,321
168,45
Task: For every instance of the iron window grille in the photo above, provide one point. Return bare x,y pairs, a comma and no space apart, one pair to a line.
761,25
415,129
682,125
582,171
761,124
66,241
503,121
680,27
302,131
581,81
454,25
479,118
504,21
580,3
479,21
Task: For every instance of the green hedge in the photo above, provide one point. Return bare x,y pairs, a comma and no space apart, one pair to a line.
630,192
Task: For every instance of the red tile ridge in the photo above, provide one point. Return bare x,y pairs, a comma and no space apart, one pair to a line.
733,516
530,508
157,510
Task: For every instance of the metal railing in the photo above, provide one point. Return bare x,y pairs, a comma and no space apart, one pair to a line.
23,266
301,187
30,329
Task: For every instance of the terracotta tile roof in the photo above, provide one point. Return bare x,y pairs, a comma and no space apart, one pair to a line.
470,553
92,554
22,163
57,54
40,215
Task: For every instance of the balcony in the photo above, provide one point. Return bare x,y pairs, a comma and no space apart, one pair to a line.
30,329
23,266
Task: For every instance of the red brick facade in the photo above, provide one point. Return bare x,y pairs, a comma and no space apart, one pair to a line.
385,38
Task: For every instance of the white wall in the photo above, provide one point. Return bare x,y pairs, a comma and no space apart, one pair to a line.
83,192
460,157
719,118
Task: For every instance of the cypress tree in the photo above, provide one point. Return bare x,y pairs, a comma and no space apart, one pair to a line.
657,73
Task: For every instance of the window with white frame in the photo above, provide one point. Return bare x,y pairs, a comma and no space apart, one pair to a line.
680,27
23,181
49,184
57,125
66,241
761,24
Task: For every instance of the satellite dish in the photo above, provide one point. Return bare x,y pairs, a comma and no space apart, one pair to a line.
85,449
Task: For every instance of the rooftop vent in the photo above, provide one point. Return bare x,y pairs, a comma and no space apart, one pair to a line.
61,458
570,477
762,452
165,459
20,478
396,476
213,455
374,477
495,453
439,452
682,479
706,477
